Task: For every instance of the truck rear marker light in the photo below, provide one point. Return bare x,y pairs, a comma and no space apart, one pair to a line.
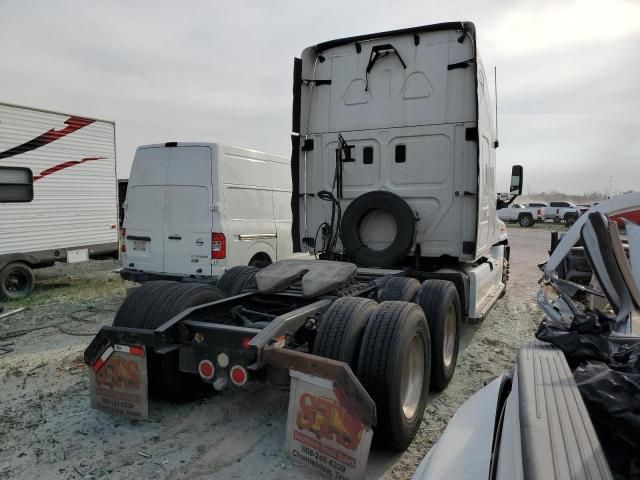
206,369
246,343
218,246
238,375
102,360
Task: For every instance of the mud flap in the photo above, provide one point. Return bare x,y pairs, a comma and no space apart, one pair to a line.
119,383
323,431
331,415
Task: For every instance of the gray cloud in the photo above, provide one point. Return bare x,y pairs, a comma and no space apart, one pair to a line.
215,71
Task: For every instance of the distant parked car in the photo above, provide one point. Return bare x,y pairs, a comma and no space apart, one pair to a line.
525,216
562,212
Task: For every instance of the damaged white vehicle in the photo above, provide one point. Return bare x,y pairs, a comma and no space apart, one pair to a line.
569,408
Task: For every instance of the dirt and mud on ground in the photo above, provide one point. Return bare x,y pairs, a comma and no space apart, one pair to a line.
48,430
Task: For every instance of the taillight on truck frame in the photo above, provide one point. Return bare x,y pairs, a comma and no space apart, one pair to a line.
123,236
218,246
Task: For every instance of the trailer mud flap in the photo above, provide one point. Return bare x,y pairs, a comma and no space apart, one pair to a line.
119,383
330,419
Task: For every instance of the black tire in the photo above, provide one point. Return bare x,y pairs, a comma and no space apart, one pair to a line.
405,228
569,220
150,306
340,332
526,221
390,333
238,279
165,378
439,299
399,289
16,281
133,310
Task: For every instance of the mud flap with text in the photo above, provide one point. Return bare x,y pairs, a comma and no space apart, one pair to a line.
325,430
118,382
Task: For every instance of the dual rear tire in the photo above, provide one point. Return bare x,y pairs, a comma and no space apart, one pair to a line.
388,346
150,306
397,349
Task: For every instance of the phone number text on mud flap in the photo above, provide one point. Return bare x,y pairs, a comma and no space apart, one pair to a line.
330,468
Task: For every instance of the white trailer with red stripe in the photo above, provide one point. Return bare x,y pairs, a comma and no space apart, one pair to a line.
74,212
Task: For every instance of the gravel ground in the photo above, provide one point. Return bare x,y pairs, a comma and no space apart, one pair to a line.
48,430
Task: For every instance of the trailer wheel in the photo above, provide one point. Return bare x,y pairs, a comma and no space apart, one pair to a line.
16,281
133,310
441,304
238,279
340,332
165,378
394,366
399,288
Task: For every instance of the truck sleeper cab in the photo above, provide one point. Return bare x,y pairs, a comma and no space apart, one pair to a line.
196,209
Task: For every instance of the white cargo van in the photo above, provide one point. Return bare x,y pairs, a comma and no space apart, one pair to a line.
74,212
196,209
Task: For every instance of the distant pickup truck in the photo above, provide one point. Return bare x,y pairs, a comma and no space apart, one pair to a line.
525,216
558,211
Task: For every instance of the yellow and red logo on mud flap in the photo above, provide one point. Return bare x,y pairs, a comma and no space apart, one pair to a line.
329,419
119,372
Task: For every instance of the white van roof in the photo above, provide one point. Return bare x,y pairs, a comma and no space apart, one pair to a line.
226,148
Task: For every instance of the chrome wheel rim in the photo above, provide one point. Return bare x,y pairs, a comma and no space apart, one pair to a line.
412,377
449,342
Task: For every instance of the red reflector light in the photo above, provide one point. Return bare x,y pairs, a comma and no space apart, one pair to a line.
206,369
218,246
245,343
238,375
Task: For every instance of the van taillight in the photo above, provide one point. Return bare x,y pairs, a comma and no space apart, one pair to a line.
123,235
218,246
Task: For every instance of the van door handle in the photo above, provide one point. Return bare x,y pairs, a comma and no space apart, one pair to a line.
174,237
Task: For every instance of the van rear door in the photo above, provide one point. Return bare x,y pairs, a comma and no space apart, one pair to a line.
144,218
188,216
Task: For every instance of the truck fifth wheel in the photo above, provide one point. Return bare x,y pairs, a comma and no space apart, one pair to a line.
393,167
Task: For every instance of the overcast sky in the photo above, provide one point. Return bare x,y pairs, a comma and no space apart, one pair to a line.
568,73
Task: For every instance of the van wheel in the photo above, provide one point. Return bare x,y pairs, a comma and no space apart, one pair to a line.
260,260
441,304
399,289
16,281
238,279
526,221
394,367
165,378
340,332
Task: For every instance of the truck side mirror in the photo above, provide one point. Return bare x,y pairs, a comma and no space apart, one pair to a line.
16,184
516,180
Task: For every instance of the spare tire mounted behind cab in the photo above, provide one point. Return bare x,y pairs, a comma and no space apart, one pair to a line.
350,231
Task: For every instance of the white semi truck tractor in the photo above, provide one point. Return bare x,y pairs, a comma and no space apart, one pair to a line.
394,200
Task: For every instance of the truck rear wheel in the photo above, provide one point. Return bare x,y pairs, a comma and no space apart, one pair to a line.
441,304
165,378
16,281
340,332
133,309
238,279
394,366
152,305
399,289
